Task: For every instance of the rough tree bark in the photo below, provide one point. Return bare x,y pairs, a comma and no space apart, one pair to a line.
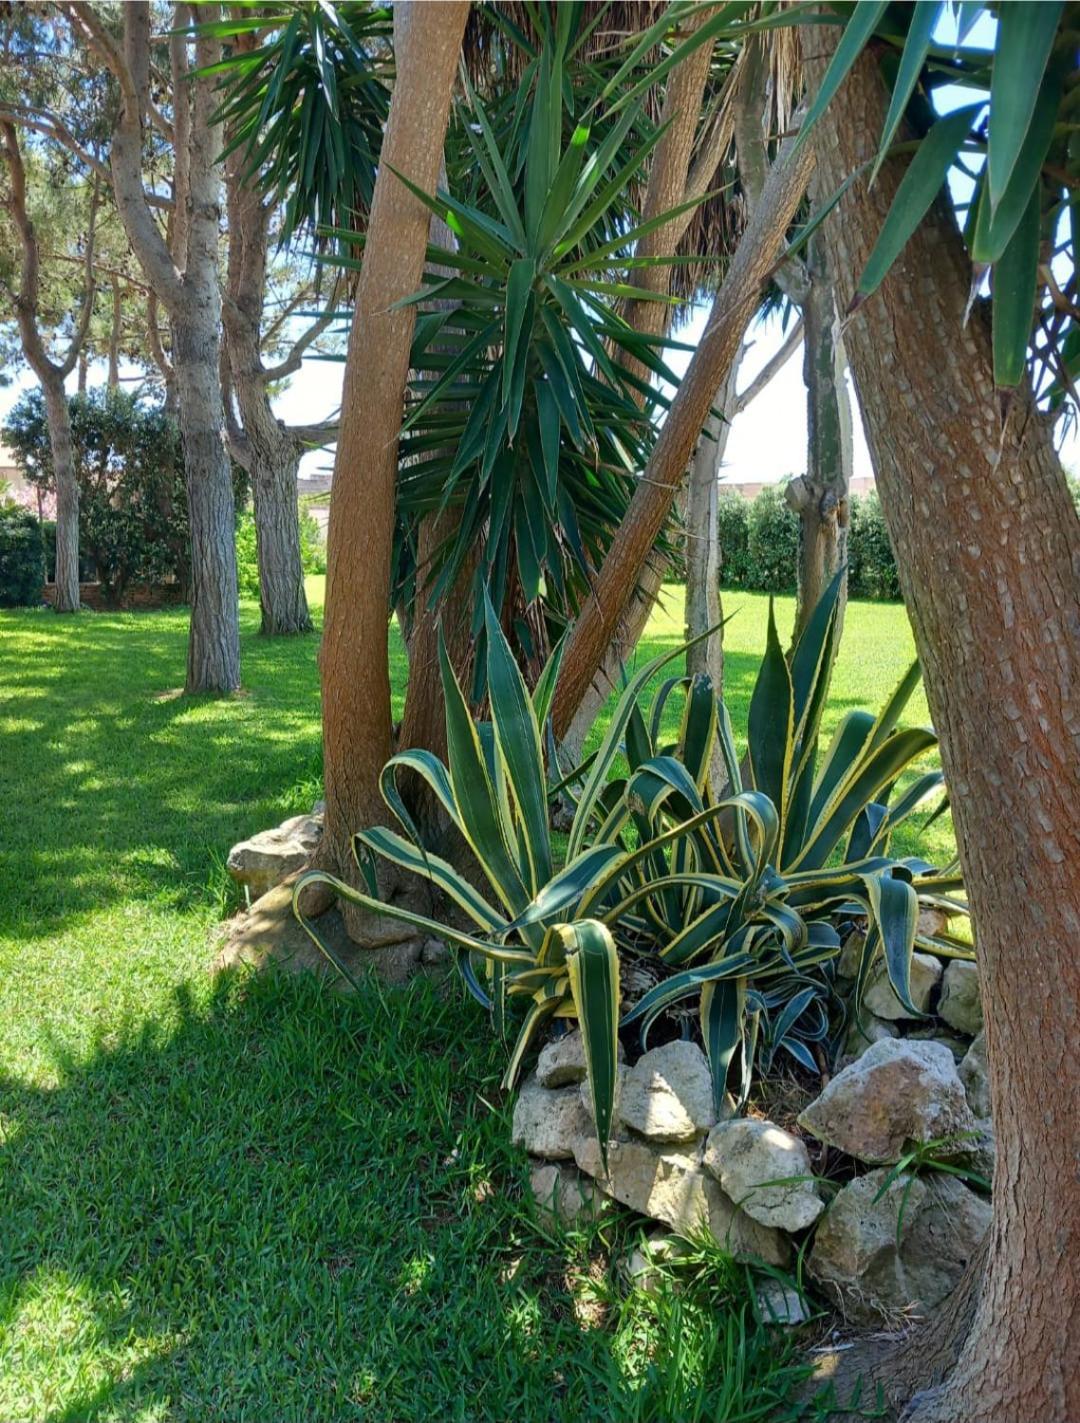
272,450
183,274
820,497
988,551
676,176
52,374
704,554
721,342
357,729
113,377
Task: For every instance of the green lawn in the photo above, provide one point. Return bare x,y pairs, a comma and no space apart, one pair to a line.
251,1199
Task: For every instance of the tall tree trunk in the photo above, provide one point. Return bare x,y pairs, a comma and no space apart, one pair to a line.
213,662
183,274
703,552
113,379
721,342
357,730
273,452
67,494
52,374
282,597
988,552
821,496
670,184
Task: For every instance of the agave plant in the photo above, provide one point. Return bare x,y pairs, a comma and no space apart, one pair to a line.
732,904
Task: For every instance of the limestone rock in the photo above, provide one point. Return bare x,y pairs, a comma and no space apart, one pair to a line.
935,1033
563,1193
779,1304
743,1154
435,952
669,1184
932,921
644,1263
562,1060
270,934
898,1092
960,1004
975,1075
586,1099
874,1270
980,1152
667,1094
864,1031
880,997
268,857
548,1123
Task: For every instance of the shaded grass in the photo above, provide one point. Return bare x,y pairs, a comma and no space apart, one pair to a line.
250,1199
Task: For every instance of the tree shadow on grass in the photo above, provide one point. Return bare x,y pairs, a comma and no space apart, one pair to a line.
274,1203
123,789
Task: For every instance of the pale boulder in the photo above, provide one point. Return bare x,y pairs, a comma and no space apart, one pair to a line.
667,1094
880,997
898,1093
742,1155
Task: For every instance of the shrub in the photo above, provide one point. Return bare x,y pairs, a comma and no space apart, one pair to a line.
733,522
743,921
871,561
772,539
133,520
22,558
312,551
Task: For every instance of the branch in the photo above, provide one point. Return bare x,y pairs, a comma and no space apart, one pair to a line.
292,362
132,71
748,107
51,126
67,365
316,435
791,344
153,336
635,538
25,300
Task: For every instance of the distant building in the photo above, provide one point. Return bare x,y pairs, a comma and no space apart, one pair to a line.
750,489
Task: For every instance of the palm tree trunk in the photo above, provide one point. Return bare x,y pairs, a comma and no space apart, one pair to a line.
988,551
357,729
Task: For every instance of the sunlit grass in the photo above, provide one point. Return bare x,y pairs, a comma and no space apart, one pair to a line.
254,1199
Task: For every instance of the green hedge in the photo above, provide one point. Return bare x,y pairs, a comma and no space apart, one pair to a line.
22,558
759,544
312,551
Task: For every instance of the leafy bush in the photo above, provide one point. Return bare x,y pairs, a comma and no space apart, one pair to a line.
133,521
772,542
871,561
22,558
735,904
733,530
312,551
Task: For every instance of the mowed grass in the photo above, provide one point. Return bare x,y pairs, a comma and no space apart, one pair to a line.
251,1200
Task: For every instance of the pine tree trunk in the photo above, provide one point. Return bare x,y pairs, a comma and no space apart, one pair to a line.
277,538
67,495
357,729
821,496
213,663
988,551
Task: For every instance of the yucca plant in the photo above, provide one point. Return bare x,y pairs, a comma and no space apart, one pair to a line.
529,418
725,903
